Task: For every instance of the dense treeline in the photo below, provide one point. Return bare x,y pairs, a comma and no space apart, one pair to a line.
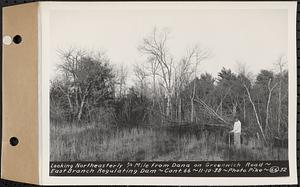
169,92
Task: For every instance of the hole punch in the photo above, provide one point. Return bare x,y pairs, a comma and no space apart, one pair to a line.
17,39
13,141
6,40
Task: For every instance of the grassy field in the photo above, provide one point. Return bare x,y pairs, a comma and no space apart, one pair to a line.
89,142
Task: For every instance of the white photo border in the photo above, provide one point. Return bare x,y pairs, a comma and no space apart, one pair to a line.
44,153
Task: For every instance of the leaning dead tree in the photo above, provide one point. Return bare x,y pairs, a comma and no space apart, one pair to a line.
256,114
211,110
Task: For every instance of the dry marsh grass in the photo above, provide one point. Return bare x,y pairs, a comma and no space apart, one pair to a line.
89,142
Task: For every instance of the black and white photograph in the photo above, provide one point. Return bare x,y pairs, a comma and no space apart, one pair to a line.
169,85
160,93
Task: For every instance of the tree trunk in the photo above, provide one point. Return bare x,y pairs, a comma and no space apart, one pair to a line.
279,107
81,108
69,100
267,112
234,106
82,102
192,110
120,91
179,110
244,108
70,103
256,115
192,102
154,91
168,111
268,103
221,108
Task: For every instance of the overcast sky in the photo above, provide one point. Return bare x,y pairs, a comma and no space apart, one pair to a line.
254,37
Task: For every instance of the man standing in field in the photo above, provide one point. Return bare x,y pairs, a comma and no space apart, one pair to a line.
237,127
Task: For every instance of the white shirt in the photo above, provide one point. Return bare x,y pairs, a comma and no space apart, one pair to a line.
237,127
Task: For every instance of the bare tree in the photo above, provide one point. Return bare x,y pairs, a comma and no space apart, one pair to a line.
122,74
155,47
281,63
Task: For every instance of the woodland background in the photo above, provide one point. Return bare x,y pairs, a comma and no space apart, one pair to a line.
170,110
